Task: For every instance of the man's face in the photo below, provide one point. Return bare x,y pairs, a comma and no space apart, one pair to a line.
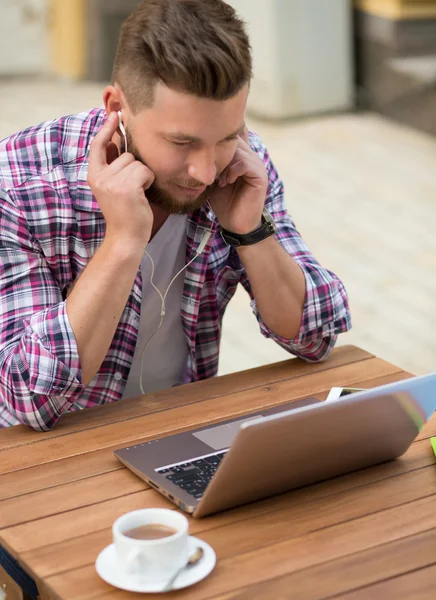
187,142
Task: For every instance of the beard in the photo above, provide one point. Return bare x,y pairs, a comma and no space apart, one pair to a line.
158,196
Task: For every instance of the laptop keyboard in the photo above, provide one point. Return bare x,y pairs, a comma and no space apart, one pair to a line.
194,476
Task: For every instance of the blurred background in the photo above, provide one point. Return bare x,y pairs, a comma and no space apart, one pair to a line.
344,97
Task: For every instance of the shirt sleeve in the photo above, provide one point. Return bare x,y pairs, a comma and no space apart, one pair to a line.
40,372
326,310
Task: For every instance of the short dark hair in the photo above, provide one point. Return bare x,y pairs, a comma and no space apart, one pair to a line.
195,46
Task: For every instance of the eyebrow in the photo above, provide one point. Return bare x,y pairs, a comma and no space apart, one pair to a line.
191,138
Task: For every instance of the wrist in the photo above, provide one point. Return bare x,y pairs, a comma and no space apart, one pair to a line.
266,229
244,230
123,247
246,252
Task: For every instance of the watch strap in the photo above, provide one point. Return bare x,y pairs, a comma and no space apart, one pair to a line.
265,230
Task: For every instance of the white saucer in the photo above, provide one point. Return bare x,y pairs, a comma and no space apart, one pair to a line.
106,567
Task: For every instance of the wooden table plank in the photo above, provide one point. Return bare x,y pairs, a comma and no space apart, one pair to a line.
419,585
276,559
182,396
94,490
98,462
61,491
42,477
304,515
61,526
80,551
429,430
102,488
60,499
292,514
361,568
189,416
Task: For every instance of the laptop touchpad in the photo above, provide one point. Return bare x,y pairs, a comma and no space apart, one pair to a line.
221,436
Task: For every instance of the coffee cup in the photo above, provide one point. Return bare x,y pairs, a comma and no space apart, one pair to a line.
151,544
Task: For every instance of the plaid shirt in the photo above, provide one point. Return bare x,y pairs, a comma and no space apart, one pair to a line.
50,227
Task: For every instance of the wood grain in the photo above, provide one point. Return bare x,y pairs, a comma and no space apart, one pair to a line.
9,587
276,559
289,515
361,568
189,416
418,585
181,396
369,534
60,499
80,551
98,462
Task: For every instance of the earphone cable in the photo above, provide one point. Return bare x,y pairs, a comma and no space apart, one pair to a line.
199,250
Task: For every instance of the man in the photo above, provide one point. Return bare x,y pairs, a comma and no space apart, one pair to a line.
101,212
122,239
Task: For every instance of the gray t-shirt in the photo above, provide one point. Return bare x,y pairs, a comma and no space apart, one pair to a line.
165,357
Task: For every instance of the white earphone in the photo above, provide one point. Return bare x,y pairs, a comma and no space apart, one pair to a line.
122,128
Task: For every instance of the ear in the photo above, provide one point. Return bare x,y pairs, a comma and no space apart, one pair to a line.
112,99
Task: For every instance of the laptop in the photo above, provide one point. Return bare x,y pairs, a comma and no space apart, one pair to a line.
214,468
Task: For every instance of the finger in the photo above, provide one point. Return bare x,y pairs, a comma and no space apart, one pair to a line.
239,154
222,179
243,149
232,172
120,163
98,154
249,170
244,135
137,174
236,170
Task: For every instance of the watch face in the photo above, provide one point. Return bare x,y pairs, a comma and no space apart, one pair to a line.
268,218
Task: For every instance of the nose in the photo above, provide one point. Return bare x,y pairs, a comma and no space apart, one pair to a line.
202,167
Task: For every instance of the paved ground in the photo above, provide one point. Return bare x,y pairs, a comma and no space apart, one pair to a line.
362,191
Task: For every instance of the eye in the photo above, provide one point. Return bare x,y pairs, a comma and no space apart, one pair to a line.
180,143
231,139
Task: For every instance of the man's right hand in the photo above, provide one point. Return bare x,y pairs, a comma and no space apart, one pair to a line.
119,188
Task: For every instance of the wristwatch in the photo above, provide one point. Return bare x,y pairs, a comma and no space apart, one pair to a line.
266,229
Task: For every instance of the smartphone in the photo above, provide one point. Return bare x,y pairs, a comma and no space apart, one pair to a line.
336,393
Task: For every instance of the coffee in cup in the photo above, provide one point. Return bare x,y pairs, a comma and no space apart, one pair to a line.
151,544
153,531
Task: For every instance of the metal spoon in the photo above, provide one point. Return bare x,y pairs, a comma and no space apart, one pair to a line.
195,558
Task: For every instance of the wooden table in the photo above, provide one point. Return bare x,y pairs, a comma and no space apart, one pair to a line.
370,534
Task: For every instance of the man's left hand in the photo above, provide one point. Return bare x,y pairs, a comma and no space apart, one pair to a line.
239,198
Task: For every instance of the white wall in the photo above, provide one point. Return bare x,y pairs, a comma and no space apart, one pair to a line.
302,51
23,37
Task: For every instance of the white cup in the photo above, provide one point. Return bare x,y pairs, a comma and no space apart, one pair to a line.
155,559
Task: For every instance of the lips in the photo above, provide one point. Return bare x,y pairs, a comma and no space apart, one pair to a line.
196,190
